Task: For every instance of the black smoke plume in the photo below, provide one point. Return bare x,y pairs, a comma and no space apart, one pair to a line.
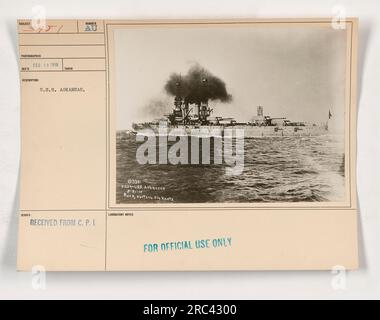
198,85
157,107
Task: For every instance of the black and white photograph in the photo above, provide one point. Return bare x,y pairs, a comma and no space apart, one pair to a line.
276,91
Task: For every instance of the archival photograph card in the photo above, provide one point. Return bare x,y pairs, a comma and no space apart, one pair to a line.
188,144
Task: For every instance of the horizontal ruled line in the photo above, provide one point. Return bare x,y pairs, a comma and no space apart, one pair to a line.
89,33
62,45
30,58
62,70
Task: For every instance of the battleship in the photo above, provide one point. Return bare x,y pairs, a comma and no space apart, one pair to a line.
191,118
191,111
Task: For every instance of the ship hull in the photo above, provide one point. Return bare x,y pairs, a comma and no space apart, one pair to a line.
249,131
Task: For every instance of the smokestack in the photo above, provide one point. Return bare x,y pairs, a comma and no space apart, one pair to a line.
260,111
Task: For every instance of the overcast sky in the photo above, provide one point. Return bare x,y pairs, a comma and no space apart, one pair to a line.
294,71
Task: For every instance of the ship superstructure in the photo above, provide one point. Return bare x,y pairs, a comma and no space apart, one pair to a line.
198,115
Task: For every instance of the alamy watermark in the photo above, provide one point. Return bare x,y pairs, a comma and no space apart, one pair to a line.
339,279
192,146
339,17
39,277
39,18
